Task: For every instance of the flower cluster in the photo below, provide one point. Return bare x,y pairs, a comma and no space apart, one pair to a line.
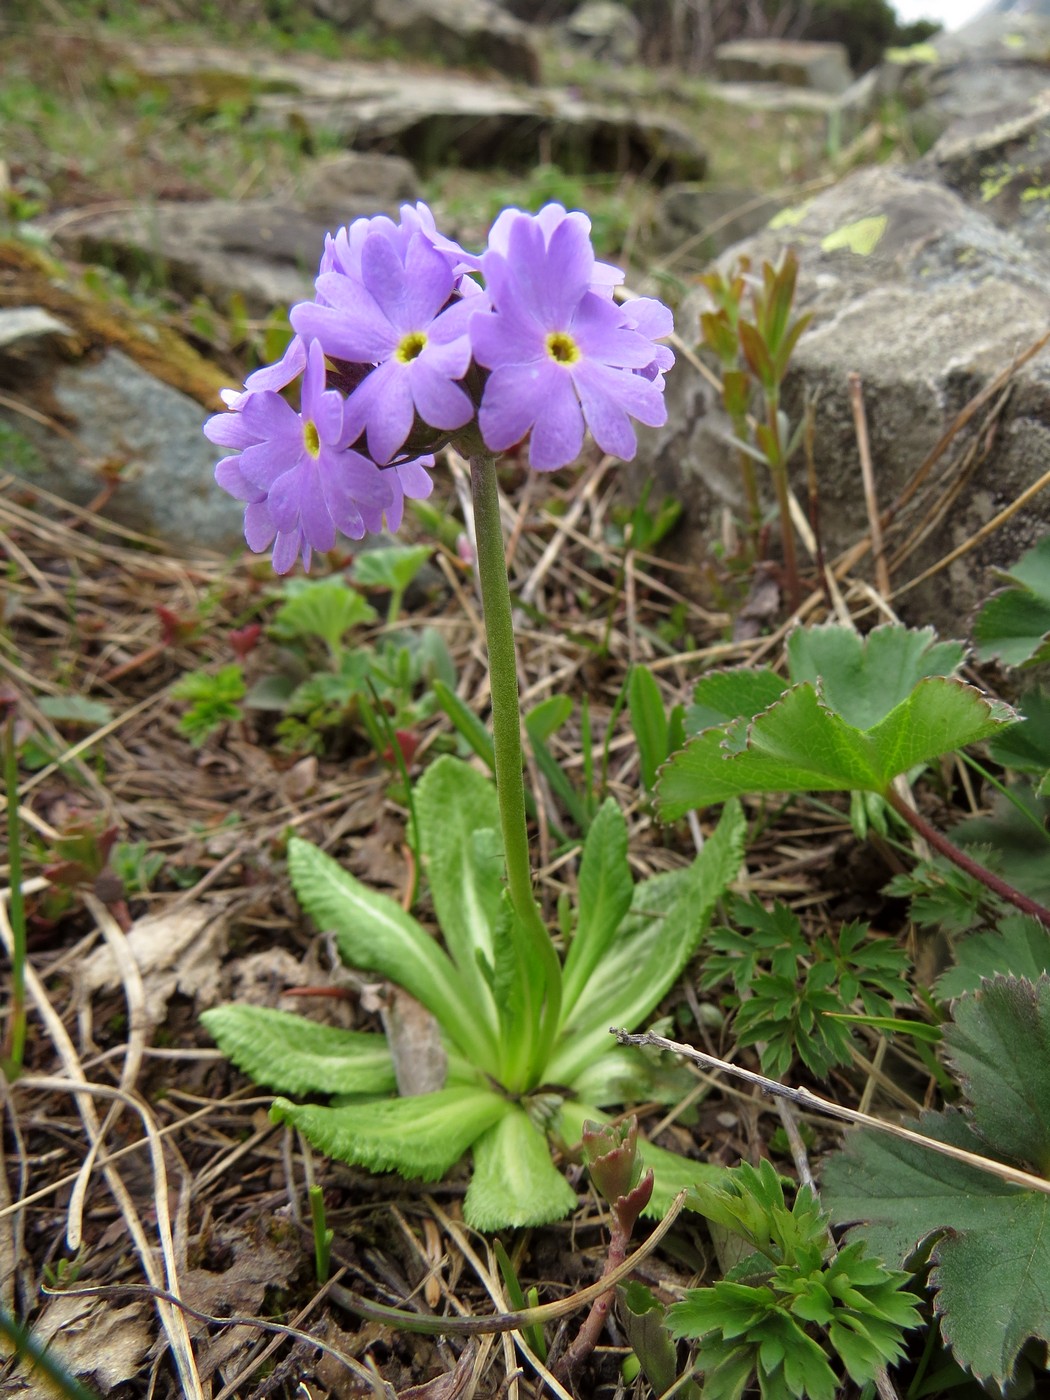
412,343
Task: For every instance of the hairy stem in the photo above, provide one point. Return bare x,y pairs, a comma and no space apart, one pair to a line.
946,848
778,467
541,970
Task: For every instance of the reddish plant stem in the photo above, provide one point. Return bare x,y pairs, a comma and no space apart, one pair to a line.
987,877
586,1338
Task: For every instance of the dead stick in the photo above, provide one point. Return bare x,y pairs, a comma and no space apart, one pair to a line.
860,424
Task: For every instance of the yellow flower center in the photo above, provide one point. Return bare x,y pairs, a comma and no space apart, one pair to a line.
411,347
562,348
311,438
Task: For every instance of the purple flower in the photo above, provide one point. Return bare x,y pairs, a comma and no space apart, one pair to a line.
400,316
300,483
563,355
408,481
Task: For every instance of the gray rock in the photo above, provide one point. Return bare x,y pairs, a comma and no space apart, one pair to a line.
695,222
928,299
28,329
358,178
604,30
999,59
422,117
117,416
265,251
819,67
463,33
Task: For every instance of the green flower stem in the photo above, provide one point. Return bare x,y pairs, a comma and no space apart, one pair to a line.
988,878
542,968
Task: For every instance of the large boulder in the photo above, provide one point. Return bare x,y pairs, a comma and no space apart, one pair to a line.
1002,56
264,251
605,31
96,408
928,293
426,117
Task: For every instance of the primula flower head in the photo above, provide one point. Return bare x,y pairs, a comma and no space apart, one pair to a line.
402,350
563,355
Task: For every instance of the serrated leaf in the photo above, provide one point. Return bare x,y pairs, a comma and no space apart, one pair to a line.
393,566
1014,624
605,889
326,608
999,1047
421,1136
1018,947
375,934
1019,849
735,694
1026,747
459,825
514,1182
991,1240
800,745
668,916
864,678
296,1056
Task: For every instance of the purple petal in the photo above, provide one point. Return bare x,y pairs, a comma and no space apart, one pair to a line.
229,476
264,462
513,399
413,478
270,419
649,316
281,374
558,432
503,338
285,498
317,526
286,550
229,430
351,327
438,401
259,529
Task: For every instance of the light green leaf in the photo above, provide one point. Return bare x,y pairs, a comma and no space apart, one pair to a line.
515,1183
1017,947
668,916
375,934
734,694
296,1056
605,889
393,566
424,1135
800,745
459,824
327,608
75,709
864,678
649,722
861,237
1014,624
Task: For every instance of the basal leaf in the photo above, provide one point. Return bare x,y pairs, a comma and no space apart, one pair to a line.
801,745
999,1047
325,608
668,916
514,1182
459,827
864,678
1017,947
648,721
421,1136
734,694
296,1056
375,934
1014,625
390,566
605,889
991,1240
